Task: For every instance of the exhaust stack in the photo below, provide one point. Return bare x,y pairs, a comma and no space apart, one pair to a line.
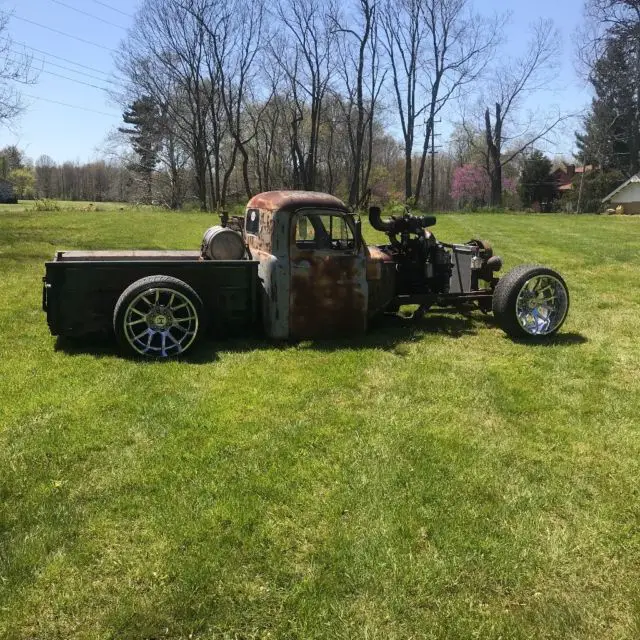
375,219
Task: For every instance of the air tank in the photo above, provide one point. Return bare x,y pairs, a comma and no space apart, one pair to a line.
222,243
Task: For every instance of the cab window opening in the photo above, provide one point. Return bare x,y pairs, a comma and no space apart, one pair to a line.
324,232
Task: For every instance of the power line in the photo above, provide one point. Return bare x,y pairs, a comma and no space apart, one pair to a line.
62,33
84,74
91,15
51,55
108,6
86,84
80,73
70,106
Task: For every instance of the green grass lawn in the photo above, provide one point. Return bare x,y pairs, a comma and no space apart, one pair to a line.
431,480
69,205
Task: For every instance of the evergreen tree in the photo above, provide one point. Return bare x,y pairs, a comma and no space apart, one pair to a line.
146,138
536,184
611,138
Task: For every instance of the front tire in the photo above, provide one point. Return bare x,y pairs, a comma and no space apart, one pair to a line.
531,302
158,317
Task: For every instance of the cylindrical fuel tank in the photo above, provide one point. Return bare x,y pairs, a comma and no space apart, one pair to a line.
221,243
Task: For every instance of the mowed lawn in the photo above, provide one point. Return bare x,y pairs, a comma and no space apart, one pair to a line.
431,480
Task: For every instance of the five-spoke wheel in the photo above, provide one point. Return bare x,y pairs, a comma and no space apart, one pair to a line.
158,317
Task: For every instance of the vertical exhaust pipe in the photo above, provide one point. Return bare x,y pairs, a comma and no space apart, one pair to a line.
375,220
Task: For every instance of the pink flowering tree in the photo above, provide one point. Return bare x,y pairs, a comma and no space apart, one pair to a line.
470,185
509,185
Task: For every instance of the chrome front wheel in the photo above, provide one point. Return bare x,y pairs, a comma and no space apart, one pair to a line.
531,301
541,305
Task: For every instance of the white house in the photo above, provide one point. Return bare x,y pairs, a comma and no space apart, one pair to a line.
627,195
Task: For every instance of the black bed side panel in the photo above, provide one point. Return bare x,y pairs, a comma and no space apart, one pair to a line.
80,296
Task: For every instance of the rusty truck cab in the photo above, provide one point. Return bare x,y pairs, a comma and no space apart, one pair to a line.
316,271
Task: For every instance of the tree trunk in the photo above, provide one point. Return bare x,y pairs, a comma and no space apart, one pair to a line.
227,176
245,170
494,161
496,185
201,178
408,173
423,158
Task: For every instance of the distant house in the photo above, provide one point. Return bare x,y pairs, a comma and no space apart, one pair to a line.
564,174
626,195
7,194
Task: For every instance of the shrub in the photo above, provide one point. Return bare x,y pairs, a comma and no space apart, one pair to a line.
46,205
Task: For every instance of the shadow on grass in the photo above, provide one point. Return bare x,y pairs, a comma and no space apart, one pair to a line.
568,339
99,346
387,333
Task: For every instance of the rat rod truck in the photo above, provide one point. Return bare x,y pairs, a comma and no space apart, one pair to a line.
296,267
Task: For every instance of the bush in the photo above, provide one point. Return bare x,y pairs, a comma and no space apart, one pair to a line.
46,205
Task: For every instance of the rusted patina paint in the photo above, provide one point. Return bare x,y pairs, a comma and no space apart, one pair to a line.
375,259
327,296
381,277
294,200
328,291
269,246
262,240
306,293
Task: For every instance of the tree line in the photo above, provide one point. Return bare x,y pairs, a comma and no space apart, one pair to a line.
222,99
242,96
97,181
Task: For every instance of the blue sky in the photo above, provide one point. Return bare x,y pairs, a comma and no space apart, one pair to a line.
66,133
60,131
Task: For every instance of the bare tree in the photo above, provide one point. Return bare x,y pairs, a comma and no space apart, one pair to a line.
303,55
435,48
404,40
362,82
163,57
15,68
232,46
506,132
460,46
44,169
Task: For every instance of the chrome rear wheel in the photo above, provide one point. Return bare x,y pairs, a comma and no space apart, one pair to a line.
158,317
160,322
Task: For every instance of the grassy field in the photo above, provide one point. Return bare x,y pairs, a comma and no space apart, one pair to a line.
431,480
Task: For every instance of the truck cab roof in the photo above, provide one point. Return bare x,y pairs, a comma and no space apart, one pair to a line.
294,200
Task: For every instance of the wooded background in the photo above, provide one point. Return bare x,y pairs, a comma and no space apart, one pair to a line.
224,99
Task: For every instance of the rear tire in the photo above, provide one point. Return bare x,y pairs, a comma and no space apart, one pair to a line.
530,302
158,317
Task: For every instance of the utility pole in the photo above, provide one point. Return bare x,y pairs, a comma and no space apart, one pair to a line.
580,189
432,194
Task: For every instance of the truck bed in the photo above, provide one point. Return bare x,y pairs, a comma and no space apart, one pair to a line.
81,288
118,256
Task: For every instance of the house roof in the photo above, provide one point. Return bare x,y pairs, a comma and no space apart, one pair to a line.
634,178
